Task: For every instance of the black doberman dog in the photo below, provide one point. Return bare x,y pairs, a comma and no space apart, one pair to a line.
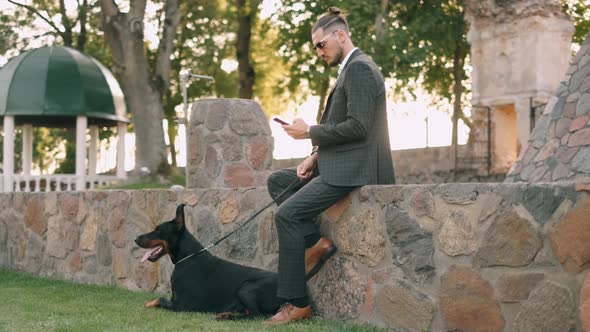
206,283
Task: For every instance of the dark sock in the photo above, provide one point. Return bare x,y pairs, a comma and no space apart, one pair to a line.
300,302
312,239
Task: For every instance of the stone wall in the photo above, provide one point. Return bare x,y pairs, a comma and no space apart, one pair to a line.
469,257
428,165
559,146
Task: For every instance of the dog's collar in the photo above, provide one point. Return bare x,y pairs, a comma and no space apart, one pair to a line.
195,254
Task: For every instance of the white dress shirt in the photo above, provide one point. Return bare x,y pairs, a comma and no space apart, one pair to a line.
343,63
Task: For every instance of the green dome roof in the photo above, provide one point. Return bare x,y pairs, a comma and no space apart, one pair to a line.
52,85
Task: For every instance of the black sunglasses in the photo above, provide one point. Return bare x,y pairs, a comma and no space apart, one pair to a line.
322,43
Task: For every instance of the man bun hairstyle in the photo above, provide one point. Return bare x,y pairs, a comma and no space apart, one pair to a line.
333,20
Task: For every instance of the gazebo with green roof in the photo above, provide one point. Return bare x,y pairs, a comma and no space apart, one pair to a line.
57,86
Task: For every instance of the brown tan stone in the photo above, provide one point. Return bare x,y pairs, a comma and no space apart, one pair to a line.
569,110
369,305
387,195
50,203
579,123
571,236
539,173
585,85
34,216
212,162
422,203
579,138
88,237
262,178
257,153
238,175
490,205
76,262
514,287
69,206
118,227
62,236
147,276
268,234
467,302
339,281
362,236
585,304
510,240
548,308
562,127
565,154
582,187
565,139
228,209
457,236
336,211
120,263
405,308
547,150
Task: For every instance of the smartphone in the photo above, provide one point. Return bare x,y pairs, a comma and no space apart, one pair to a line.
281,121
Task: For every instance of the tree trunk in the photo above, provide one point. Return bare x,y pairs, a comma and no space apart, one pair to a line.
324,86
245,70
458,60
124,35
162,78
170,115
380,24
82,18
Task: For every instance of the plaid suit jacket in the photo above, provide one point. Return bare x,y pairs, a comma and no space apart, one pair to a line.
352,137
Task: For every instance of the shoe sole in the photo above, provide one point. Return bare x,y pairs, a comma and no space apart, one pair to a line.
321,263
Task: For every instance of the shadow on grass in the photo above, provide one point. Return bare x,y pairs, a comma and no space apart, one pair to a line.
34,304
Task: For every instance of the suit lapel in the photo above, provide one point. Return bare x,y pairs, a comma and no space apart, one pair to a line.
328,101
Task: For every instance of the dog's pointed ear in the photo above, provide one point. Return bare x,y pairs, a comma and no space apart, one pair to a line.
179,217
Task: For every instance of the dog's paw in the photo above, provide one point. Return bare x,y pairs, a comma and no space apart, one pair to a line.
152,304
225,316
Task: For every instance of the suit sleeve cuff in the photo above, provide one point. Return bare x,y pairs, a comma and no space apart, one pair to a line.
310,134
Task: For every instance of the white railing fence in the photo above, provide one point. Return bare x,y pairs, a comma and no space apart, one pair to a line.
56,182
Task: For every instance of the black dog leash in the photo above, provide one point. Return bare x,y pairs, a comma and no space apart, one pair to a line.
242,225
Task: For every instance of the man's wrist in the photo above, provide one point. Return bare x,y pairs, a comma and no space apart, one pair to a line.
314,150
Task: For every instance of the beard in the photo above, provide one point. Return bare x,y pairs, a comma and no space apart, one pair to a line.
337,59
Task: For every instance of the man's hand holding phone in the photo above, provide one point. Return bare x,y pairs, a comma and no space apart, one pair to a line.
284,123
297,130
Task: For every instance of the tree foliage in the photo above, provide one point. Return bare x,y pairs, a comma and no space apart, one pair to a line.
579,11
308,74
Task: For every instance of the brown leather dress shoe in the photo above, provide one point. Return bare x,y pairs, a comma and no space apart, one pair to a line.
316,256
289,313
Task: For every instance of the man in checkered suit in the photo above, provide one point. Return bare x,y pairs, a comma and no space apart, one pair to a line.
351,149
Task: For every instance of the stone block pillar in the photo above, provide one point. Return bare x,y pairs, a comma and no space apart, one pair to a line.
520,50
229,144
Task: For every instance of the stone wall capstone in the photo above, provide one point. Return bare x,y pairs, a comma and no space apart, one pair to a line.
427,165
229,144
469,257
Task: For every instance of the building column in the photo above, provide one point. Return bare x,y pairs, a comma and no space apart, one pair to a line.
93,150
8,154
27,148
121,133
81,126
522,108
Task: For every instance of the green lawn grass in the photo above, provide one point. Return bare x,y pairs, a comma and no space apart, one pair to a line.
175,177
37,304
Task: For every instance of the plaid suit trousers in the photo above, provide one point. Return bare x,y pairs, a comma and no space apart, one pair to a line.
294,219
